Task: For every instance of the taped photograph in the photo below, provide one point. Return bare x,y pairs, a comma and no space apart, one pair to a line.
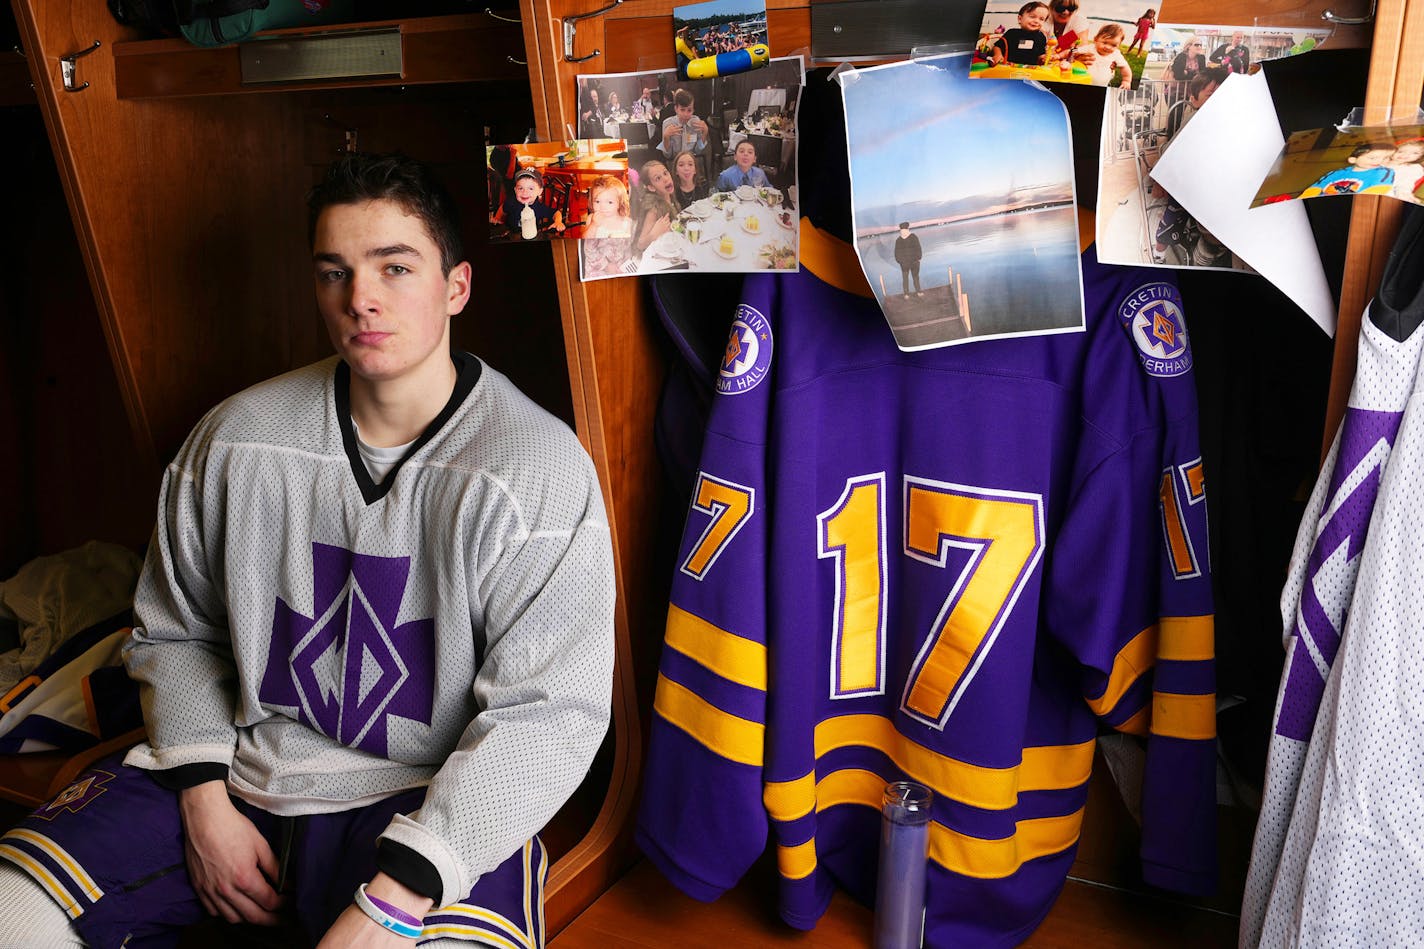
711,176
962,244
1095,43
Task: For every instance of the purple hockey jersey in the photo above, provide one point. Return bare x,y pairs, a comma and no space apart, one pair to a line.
951,566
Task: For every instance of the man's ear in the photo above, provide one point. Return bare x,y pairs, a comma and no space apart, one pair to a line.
458,285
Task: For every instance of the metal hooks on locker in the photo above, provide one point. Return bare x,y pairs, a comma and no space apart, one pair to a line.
1330,16
67,69
570,32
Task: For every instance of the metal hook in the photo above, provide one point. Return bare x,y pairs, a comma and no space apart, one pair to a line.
570,32
66,68
1350,20
19,51
518,62
506,19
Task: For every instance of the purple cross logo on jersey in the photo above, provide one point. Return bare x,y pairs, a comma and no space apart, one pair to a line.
349,667
748,355
1154,319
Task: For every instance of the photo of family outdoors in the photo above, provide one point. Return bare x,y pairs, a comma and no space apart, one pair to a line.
944,238
1103,43
1385,160
711,170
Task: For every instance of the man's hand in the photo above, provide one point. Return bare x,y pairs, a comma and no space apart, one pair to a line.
229,861
356,930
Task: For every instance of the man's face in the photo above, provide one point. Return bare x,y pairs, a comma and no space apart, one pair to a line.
381,290
746,155
684,112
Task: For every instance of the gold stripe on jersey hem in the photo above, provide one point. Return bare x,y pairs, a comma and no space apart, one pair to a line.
469,933
1184,716
1131,662
62,857
1187,638
42,876
1041,768
958,852
732,657
731,737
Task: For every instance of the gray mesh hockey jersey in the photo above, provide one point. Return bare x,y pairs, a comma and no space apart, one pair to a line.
335,643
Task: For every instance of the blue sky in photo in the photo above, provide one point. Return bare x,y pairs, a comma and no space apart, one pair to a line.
928,132
745,8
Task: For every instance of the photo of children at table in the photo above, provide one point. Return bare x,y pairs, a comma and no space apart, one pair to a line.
715,193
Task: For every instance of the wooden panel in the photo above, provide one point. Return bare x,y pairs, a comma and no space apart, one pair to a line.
645,911
465,48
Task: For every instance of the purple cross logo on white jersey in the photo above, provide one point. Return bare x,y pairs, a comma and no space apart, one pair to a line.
349,667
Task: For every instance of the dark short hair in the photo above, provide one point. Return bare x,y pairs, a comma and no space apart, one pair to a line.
904,225
1360,149
682,98
1206,77
357,177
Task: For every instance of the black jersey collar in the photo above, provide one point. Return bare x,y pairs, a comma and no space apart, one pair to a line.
468,370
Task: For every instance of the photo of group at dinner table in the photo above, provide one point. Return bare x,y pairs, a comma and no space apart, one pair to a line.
711,181
1099,43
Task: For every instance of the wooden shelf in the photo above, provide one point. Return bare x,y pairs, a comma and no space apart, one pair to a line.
463,48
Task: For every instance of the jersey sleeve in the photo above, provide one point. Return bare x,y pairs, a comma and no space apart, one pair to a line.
702,820
1130,596
180,652
543,689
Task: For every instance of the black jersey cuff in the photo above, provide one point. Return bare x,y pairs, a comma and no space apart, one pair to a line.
408,868
190,775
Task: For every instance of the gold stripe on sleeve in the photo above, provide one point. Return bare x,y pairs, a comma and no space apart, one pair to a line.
1184,716
790,800
1187,638
1132,661
798,862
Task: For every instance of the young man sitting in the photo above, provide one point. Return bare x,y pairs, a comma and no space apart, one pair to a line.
373,635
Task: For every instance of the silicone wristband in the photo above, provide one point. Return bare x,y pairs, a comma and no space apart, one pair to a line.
387,916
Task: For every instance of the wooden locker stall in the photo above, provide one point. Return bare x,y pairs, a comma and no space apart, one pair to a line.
185,191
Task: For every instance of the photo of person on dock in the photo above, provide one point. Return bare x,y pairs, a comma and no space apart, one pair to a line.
992,227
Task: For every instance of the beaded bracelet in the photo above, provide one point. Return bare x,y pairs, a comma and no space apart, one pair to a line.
389,917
